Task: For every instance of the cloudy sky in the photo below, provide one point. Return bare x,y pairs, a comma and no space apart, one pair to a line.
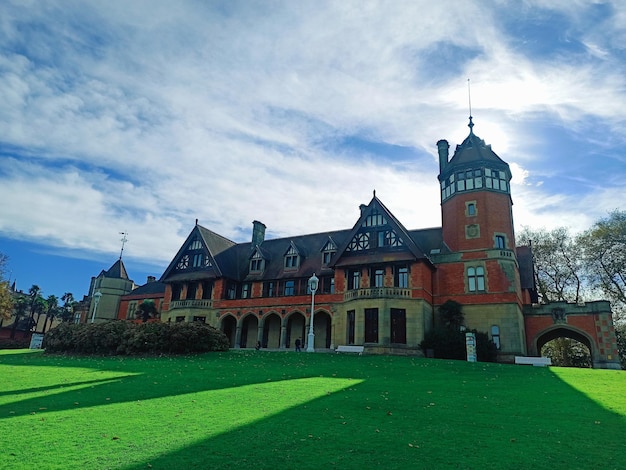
141,116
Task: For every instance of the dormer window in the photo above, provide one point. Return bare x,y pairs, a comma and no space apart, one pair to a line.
328,251
257,263
292,258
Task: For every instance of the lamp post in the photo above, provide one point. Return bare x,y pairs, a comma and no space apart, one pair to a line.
96,300
313,283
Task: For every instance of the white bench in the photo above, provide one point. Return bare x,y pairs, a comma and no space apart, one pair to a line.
350,349
535,361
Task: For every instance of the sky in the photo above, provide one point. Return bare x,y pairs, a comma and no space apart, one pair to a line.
142,116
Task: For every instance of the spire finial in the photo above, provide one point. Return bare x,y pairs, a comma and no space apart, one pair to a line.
374,193
469,97
123,240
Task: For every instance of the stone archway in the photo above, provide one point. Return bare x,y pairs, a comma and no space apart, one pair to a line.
271,331
249,331
296,324
228,326
322,327
565,332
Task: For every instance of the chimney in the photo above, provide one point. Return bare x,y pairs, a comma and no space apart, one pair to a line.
443,148
258,233
151,279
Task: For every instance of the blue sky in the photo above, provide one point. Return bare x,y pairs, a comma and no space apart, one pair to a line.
142,116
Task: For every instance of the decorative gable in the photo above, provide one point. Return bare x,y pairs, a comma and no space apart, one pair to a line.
257,261
377,237
328,251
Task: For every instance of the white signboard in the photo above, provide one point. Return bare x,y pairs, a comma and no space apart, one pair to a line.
470,345
36,340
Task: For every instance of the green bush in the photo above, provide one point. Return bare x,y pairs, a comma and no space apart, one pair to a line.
127,338
449,343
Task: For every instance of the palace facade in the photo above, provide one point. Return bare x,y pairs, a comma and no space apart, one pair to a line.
380,284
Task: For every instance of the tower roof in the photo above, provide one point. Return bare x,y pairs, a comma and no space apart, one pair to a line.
474,149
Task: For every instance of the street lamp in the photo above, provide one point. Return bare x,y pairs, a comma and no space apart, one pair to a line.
313,283
96,300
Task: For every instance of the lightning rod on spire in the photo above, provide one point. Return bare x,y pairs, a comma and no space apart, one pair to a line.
123,240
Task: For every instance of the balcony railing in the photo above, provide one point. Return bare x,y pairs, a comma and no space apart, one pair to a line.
191,303
378,293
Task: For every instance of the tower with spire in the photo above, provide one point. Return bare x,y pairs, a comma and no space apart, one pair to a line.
477,226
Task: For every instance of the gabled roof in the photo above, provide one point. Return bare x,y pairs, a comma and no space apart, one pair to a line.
410,249
212,245
155,287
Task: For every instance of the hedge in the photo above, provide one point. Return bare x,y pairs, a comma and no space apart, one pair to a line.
128,338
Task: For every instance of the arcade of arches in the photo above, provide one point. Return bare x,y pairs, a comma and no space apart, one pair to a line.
274,331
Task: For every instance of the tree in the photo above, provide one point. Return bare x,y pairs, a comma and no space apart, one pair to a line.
67,311
20,311
604,251
567,352
451,313
558,269
52,310
36,305
147,310
6,299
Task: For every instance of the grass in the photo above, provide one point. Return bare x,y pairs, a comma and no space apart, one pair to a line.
286,410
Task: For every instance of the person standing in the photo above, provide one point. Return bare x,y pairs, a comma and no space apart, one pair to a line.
298,343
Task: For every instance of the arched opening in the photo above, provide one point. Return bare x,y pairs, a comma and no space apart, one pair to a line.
296,325
249,332
271,331
566,347
229,328
322,327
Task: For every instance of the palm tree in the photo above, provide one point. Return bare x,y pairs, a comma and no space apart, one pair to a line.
52,310
67,312
36,305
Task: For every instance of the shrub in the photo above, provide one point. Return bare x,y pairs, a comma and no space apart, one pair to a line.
122,337
447,343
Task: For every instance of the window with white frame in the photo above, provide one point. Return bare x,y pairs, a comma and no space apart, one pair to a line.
476,278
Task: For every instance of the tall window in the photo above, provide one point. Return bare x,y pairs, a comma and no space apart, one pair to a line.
476,278
354,279
176,290
289,288
350,327
378,277
191,291
327,284
269,289
500,242
495,335
231,290
402,277
371,325
398,325
207,289
245,290
471,209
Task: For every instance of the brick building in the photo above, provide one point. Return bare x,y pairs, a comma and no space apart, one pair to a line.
380,284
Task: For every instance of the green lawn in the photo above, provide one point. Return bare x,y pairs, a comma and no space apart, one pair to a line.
287,410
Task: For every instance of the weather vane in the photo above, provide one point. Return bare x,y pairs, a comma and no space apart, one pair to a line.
123,240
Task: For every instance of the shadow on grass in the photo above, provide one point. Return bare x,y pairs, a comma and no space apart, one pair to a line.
404,413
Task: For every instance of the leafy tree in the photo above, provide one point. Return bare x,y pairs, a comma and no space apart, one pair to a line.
604,248
620,333
558,269
566,352
20,311
6,299
147,310
451,313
